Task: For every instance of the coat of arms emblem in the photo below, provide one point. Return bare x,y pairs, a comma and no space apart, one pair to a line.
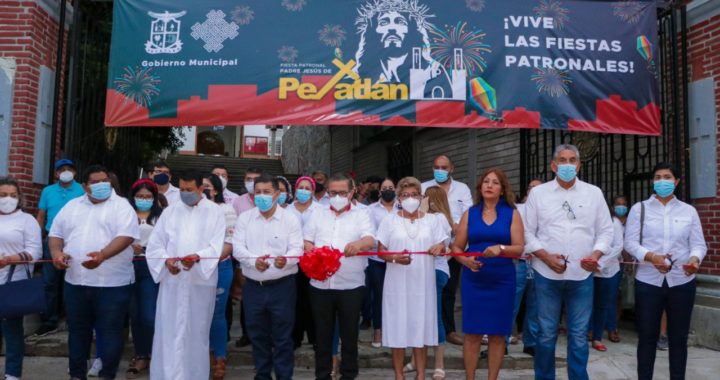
164,33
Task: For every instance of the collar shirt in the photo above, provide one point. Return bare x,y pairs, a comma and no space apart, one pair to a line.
279,235
325,228
229,196
87,227
55,196
172,194
20,233
459,197
672,229
304,216
324,201
378,213
243,203
573,223
610,263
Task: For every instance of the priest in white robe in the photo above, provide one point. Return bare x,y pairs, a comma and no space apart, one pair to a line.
182,256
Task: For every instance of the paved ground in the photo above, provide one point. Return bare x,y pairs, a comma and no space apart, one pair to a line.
615,364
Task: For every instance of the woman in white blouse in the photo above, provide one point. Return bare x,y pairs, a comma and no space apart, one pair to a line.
664,234
20,240
409,303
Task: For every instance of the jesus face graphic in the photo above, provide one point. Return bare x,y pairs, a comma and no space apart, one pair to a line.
392,28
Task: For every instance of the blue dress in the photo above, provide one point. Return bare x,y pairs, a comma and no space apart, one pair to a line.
488,295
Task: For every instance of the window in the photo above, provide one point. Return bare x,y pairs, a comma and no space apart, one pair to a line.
256,145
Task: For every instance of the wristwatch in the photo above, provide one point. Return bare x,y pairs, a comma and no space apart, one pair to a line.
502,248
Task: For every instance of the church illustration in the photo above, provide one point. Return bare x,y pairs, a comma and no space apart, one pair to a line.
434,82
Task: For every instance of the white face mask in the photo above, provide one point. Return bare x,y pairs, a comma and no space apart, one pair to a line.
250,186
339,203
224,182
410,205
66,176
8,205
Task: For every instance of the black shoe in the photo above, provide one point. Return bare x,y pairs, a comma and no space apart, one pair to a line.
365,324
529,350
242,342
484,353
45,330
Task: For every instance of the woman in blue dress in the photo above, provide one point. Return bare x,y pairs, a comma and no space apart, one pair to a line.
493,227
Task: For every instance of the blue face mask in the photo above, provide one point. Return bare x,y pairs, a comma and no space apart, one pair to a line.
664,188
621,210
161,179
190,198
282,198
567,172
263,202
441,176
303,195
101,191
143,204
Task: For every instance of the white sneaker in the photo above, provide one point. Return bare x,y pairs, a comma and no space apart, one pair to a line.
8,377
95,369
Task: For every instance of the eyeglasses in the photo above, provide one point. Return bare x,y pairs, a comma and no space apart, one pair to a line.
340,193
409,195
569,211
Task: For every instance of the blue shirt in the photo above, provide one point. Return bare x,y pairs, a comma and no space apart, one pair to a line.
54,197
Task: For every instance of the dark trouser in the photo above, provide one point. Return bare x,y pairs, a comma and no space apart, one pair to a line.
448,296
375,278
303,312
53,279
343,306
12,332
650,302
105,309
604,303
142,309
270,316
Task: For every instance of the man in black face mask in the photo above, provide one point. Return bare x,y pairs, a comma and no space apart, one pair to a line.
161,175
372,189
321,196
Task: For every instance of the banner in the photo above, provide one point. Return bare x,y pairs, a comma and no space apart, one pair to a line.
577,65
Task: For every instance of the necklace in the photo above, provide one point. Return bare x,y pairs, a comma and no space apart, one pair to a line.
414,234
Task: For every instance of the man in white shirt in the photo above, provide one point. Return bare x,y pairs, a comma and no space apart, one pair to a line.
182,256
221,171
339,298
264,239
460,200
162,175
90,238
321,195
567,228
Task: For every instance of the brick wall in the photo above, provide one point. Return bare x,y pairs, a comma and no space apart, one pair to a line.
704,61
28,34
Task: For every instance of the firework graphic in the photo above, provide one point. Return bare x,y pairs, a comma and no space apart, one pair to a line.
555,83
628,11
242,14
287,53
138,84
294,5
332,35
475,5
555,10
445,42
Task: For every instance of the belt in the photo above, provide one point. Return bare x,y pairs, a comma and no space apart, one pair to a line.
269,282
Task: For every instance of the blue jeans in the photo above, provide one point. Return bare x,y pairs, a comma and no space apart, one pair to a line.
677,302
375,278
604,300
577,298
53,279
219,327
270,316
520,281
441,279
531,326
105,308
142,309
12,332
